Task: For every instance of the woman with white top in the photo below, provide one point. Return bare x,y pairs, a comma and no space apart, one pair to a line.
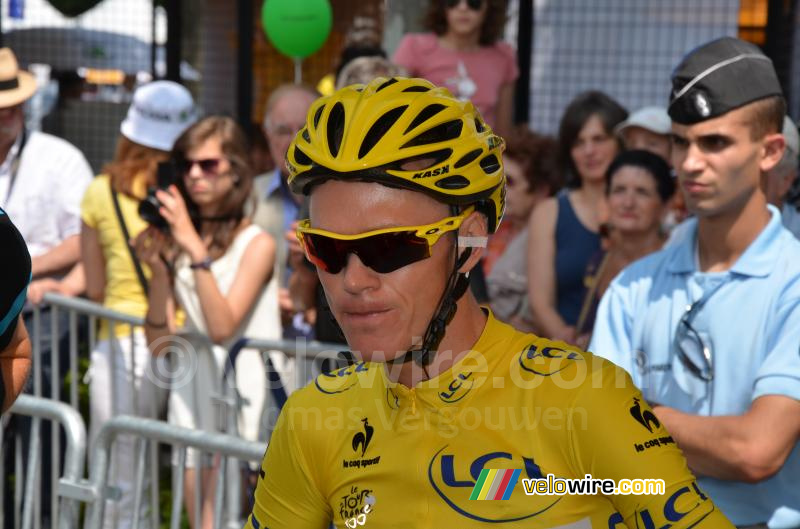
218,267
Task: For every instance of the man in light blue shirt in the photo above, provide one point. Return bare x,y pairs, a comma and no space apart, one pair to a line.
709,328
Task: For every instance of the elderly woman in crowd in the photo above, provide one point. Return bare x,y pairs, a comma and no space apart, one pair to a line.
639,186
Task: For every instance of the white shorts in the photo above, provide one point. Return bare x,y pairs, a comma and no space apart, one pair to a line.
198,399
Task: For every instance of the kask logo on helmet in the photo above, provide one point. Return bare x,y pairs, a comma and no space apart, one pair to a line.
432,172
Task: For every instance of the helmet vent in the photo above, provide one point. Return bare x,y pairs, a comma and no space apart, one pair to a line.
467,158
417,88
318,115
388,83
490,164
444,132
379,129
424,115
479,126
306,136
422,161
335,128
301,157
453,182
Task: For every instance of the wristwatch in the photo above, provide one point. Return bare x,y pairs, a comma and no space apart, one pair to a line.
205,264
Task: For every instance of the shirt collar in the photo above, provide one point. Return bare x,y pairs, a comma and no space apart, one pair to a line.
757,260
274,182
5,167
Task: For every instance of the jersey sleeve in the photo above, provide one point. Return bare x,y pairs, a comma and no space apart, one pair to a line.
286,494
15,269
611,337
622,439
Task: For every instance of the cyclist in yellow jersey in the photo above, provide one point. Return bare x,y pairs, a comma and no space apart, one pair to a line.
405,184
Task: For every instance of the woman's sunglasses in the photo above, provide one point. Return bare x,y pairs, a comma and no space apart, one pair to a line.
209,166
475,5
384,250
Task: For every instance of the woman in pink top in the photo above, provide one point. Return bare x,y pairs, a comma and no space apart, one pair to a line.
463,53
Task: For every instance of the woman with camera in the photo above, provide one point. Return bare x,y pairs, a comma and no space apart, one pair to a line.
120,361
217,266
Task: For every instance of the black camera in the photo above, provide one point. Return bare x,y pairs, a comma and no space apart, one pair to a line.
148,208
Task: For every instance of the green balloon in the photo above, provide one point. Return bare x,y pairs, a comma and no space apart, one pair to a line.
297,28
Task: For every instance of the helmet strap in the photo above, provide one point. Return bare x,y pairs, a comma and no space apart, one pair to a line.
457,285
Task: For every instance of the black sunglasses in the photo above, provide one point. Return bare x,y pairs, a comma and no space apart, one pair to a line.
695,354
475,5
207,165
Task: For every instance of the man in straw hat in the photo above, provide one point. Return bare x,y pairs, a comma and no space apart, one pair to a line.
709,327
42,180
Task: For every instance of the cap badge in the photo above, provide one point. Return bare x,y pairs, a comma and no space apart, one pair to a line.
701,104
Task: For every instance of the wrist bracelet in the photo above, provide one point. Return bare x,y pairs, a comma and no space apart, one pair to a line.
205,264
154,325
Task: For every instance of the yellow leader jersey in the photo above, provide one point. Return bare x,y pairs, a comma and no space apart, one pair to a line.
357,450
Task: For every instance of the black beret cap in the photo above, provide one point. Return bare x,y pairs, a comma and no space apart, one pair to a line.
718,77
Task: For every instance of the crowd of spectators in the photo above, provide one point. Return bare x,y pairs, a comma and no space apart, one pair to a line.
215,255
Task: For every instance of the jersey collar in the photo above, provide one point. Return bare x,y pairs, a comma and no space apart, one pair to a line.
457,384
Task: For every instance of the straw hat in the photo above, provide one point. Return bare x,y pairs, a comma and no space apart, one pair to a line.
15,85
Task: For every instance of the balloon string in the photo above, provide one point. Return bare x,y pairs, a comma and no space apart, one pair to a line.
298,70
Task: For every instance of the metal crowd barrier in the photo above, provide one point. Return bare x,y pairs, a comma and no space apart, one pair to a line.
95,491
306,354
65,513
81,318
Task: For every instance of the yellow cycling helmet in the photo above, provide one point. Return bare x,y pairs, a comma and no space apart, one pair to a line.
403,133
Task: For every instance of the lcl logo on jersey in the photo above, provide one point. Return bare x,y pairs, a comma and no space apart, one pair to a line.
457,389
453,477
340,380
671,512
546,361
